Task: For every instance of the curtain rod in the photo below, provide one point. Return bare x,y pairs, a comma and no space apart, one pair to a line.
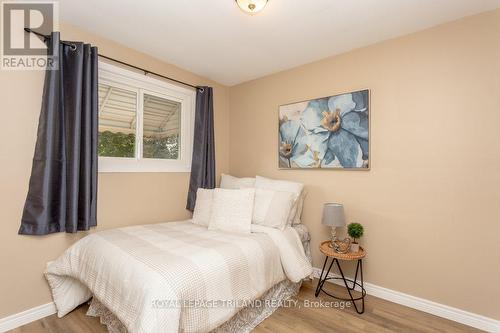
146,72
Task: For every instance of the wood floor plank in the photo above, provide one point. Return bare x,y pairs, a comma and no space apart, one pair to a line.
380,316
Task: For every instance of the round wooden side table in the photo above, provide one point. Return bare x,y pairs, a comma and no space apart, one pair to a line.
335,257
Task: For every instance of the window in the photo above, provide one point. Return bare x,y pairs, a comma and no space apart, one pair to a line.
145,124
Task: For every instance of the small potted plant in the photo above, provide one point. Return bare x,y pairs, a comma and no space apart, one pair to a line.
355,230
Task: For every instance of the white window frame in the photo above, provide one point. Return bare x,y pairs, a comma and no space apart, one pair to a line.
143,84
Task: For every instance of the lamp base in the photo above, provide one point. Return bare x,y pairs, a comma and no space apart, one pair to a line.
333,235
339,246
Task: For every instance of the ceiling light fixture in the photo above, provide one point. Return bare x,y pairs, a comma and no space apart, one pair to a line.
251,6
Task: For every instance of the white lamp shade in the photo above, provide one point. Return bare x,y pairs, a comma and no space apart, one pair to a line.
251,6
333,215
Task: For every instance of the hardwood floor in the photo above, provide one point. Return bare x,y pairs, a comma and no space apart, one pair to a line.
380,316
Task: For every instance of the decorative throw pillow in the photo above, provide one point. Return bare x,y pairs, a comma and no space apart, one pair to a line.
232,210
230,182
284,186
203,208
272,208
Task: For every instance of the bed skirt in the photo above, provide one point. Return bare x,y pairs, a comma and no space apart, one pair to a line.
242,322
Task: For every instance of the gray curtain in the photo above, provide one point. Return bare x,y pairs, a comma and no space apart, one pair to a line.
203,164
62,191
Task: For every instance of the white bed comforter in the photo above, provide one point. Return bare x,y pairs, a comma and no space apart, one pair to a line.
175,276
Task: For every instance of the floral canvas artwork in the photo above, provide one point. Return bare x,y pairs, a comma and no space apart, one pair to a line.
330,133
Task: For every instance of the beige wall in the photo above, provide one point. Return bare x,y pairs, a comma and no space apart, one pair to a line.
431,202
147,197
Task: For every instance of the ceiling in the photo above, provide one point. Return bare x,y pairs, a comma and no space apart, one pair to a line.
214,39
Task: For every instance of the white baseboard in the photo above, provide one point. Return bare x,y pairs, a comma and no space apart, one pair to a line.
437,309
26,317
441,310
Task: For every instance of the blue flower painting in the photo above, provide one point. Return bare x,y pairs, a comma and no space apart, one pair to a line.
330,132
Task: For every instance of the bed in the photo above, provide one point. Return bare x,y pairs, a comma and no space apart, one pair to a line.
180,277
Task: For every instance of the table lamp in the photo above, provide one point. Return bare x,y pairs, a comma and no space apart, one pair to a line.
333,216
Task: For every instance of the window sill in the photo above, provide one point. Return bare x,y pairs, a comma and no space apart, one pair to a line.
122,165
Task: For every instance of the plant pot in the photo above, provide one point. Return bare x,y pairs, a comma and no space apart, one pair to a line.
354,247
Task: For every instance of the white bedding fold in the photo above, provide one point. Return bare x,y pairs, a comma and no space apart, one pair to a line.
293,259
153,277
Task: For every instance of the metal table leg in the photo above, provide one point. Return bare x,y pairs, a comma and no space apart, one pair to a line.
324,277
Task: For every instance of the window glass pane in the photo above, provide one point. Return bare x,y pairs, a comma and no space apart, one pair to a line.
117,121
162,123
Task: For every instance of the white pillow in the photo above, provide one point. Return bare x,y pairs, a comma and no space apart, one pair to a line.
284,186
272,208
300,206
232,210
230,182
203,207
